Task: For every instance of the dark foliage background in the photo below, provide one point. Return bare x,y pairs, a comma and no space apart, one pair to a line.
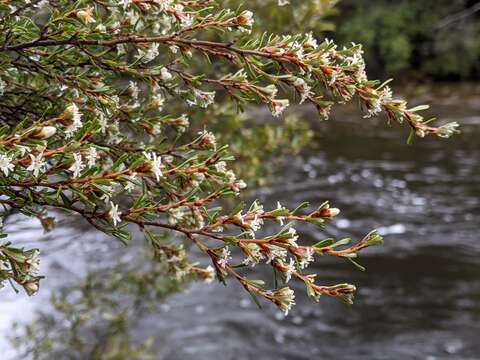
434,39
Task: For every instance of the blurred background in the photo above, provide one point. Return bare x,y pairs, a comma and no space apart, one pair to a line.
420,295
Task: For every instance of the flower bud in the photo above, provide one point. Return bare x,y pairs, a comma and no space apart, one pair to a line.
278,106
85,15
70,114
245,18
270,90
31,287
165,75
44,132
420,133
208,274
334,212
284,298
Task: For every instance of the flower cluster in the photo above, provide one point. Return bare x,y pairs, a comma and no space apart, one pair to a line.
95,107
20,266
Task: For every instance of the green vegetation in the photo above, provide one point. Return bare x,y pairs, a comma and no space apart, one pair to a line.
437,39
136,114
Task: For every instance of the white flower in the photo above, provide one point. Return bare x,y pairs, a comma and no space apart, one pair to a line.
256,223
77,166
230,176
130,185
303,88
202,98
186,20
107,192
158,100
386,93
37,164
182,123
284,298
254,254
124,3
276,252
103,122
76,115
73,114
133,89
197,179
132,16
420,132
448,130
224,257
290,270
374,108
299,52
164,4
240,217
6,164
115,28
310,41
221,166
156,163
86,15
152,52
246,18
279,106
101,28
114,214
208,139
34,261
92,156
209,274
283,2
165,74
240,184
176,215
166,23
306,258
292,237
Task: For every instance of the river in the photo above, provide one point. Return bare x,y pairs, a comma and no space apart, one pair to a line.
420,296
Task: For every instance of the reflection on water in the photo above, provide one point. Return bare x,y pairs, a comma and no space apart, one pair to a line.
420,298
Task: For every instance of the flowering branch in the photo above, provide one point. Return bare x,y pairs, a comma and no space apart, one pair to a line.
84,87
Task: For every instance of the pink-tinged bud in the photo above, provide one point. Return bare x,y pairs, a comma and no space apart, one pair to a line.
334,212
45,132
245,18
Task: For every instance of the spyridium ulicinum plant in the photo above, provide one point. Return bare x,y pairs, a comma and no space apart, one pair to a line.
86,128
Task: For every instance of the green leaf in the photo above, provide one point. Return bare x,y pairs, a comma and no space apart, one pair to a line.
357,265
324,243
341,242
255,299
300,207
419,108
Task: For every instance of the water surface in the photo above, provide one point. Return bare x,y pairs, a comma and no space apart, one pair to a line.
420,296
